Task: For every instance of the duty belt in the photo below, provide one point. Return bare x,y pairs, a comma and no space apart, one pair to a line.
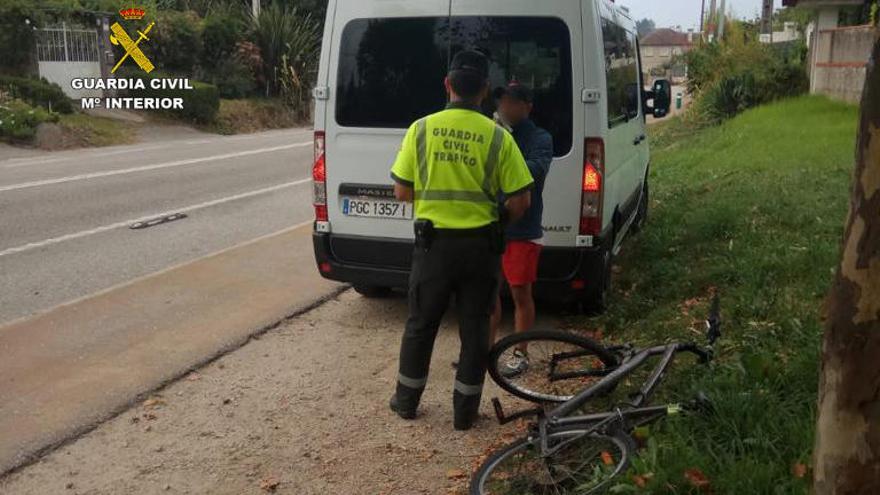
486,231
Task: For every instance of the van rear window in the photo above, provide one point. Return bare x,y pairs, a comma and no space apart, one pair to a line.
391,70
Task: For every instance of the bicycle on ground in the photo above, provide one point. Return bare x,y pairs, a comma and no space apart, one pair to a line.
565,450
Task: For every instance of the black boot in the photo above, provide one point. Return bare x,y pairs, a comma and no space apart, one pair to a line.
464,421
405,412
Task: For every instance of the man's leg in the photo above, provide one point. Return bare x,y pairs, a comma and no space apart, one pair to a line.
430,289
525,310
476,294
521,270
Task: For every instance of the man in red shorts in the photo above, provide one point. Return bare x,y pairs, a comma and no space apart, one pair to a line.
524,238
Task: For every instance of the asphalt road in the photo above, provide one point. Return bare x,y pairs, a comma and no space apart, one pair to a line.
65,217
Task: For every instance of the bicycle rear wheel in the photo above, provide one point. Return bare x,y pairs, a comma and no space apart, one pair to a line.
584,464
560,365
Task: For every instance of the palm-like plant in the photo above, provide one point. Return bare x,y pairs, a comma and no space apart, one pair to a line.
288,42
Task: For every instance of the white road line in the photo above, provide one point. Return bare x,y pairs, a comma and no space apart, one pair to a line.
126,223
178,163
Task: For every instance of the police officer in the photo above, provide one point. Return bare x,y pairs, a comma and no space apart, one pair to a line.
453,164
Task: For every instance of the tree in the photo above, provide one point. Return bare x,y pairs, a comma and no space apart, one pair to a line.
801,16
645,27
847,453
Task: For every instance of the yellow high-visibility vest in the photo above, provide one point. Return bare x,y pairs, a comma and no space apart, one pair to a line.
458,161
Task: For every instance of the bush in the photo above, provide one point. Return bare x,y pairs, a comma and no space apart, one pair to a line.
19,121
200,104
220,35
233,79
740,73
177,42
37,92
16,35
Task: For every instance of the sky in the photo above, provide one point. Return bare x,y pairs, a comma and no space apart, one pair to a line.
686,13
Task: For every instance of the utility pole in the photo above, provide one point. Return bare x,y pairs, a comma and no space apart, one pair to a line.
713,20
722,19
255,8
703,20
767,21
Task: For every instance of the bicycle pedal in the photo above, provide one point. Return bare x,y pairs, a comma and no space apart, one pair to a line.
503,419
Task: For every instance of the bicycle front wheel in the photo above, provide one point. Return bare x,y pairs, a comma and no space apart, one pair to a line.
585,463
560,365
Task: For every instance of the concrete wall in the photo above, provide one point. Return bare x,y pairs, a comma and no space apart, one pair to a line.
840,61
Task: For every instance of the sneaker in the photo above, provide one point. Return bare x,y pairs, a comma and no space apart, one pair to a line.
516,365
404,413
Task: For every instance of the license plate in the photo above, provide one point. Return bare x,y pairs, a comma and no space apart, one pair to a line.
377,208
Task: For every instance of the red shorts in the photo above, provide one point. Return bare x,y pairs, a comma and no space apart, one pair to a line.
520,262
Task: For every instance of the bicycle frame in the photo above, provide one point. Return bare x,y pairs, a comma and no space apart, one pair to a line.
667,352
635,413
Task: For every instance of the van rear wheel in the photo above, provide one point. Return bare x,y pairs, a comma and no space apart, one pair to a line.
372,292
595,301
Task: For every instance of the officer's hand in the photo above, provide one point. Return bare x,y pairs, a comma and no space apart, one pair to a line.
403,193
518,205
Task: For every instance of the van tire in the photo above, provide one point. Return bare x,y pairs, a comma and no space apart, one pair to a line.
642,211
595,300
372,292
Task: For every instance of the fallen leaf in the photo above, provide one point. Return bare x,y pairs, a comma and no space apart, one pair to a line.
154,402
456,474
269,484
640,481
696,478
607,459
799,470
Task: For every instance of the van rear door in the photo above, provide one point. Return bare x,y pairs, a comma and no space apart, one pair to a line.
537,44
386,70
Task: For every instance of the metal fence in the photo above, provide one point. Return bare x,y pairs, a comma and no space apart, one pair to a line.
67,45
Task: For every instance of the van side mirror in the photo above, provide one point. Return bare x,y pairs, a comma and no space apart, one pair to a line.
661,93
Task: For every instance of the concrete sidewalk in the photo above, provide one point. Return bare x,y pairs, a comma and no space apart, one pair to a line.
65,371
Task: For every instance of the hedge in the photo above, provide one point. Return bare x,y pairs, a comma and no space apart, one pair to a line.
37,92
200,104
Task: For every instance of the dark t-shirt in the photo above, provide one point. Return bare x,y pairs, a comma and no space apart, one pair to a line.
536,145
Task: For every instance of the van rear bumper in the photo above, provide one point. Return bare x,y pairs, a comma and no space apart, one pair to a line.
565,274
364,261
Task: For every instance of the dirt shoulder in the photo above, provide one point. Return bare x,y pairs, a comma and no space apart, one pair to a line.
305,407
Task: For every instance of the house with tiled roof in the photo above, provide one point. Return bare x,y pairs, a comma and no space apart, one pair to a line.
661,51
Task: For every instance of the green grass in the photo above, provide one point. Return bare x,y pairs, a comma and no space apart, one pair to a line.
754,208
84,130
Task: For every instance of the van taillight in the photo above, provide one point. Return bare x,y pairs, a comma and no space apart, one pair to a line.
592,187
319,178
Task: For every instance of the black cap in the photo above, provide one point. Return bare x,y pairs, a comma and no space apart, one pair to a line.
516,91
470,61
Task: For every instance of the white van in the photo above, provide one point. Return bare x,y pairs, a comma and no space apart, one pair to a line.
382,67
